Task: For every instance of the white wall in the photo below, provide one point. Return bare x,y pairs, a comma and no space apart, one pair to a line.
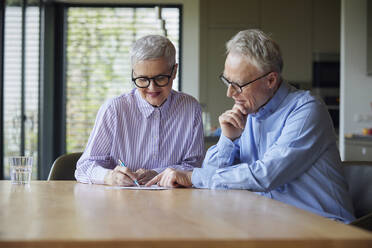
190,38
356,86
191,50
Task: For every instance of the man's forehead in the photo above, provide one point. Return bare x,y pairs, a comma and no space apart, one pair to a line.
240,72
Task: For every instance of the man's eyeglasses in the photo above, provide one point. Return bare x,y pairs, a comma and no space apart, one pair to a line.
237,87
159,80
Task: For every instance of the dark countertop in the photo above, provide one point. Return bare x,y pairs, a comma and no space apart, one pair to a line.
359,137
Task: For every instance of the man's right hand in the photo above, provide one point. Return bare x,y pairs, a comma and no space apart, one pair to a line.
120,176
233,121
172,178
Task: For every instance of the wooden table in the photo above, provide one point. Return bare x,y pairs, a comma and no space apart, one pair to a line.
70,214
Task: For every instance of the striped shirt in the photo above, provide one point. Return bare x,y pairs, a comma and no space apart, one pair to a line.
142,136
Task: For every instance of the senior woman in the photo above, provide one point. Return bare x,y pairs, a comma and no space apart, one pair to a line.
149,129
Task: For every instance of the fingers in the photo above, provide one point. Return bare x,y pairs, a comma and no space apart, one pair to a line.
122,179
172,178
143,175
144,179
126,171
240,108
123,176
242,112
234,118
161,179
155,180
184,178
140,173
116,177
169,180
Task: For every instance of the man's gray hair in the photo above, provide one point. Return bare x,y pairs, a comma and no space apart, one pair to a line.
153,47
260,49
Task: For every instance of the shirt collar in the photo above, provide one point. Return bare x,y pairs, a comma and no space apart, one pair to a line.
273,103
147,109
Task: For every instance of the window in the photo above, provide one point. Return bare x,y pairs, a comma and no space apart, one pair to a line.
85,61
97,58
21,82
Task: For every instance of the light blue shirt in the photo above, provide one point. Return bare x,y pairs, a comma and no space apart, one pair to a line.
286,152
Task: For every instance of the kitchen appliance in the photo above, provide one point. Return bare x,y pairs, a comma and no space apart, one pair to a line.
326,82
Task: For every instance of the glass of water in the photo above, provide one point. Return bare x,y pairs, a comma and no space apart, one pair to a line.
20,169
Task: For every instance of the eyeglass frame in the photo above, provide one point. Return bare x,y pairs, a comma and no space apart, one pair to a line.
153,79
227,83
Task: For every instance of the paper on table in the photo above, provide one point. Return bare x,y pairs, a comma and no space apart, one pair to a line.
153,187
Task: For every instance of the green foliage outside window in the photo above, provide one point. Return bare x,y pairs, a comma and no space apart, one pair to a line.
98,63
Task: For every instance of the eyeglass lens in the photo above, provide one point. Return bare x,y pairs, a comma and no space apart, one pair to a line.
145,82
236,87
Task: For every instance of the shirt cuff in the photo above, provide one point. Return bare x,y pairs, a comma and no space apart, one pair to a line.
226,150
98,174
201,177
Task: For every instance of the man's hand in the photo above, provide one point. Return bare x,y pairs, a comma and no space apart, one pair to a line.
233,121
121,176
172,178
143,175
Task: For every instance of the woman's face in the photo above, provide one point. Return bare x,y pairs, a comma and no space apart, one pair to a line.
154,94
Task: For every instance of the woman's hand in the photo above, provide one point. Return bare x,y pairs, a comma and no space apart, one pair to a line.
143,175
120,176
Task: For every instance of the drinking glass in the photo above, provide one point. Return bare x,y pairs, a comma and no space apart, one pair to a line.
20,169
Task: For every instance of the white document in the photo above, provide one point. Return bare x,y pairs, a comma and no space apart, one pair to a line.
153,187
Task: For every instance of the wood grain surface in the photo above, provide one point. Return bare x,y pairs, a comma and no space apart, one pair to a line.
70,214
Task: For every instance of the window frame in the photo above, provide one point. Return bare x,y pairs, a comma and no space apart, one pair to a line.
2,41
23,4
52,128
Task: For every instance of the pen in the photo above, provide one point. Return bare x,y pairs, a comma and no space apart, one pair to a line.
122,164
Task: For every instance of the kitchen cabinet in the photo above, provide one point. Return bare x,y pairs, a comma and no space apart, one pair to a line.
358,148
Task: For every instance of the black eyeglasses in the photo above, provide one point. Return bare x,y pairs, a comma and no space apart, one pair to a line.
237,87
159,80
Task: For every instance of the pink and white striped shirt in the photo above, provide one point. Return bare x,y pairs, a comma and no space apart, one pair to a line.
142,136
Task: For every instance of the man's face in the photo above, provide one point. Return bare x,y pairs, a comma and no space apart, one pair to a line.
239,70
154,94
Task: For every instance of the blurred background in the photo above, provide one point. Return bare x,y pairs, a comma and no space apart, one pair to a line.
60,60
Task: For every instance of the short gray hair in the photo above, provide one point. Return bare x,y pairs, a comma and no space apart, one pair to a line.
153,47
259,48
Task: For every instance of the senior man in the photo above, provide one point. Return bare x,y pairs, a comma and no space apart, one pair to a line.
149,129
276,140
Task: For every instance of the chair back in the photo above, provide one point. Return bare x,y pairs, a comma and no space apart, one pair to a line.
358,174
64,167
359,177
